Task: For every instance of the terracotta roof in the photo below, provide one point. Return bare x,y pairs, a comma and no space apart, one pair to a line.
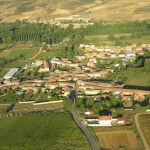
105,117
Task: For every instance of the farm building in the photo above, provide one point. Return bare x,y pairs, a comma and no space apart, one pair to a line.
11,73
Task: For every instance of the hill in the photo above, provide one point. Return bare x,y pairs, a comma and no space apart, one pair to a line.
98,9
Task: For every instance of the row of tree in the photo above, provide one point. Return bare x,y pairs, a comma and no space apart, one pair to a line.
24,31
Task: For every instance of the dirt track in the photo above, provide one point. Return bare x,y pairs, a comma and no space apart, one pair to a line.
146,146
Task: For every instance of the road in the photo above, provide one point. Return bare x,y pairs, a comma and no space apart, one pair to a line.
86,132
146,146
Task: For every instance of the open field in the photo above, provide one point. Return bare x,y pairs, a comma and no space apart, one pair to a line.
104,40
135,76
18,49
98,9
117,139
144,121
41,132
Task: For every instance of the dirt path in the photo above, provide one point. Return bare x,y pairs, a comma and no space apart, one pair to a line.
146,146
38,53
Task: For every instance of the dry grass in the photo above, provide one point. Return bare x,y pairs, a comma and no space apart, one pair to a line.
117,138
106,9
145,126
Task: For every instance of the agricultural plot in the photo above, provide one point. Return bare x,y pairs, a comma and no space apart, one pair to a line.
41,132
145,126
118,139
25,49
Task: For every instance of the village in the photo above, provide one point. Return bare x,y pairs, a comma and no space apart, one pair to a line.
81,76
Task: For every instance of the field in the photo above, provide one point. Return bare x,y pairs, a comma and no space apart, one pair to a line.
117,139
98,9
26,49
145,126
118,40
135,76
22,54
41,132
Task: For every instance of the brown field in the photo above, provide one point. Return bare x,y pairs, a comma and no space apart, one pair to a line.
98,9
117,139
144,121
3,107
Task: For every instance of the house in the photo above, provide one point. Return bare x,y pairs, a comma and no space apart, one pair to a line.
91,92
105,120
89,112
120,121
44,67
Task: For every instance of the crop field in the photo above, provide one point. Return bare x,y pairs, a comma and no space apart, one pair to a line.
18,49
55,131
117,139
145,126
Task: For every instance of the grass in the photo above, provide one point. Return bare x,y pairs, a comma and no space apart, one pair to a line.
3,72
145,126
104,40
135,76
20,49
41,132
17,63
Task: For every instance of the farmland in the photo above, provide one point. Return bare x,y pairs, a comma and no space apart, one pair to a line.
113,139
145,127
41,131
26,49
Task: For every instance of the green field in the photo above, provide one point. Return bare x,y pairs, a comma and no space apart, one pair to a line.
134,76
49,131
119,39
18,49
145,126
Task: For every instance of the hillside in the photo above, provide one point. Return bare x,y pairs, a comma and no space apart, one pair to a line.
98,9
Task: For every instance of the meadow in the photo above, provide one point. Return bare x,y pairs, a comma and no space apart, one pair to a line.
55,131
145,126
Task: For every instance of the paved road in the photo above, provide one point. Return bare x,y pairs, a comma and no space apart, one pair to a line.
86,132
146,146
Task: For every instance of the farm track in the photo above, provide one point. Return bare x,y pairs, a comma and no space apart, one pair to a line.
146,146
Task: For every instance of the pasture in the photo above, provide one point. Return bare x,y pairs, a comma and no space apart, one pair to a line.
55,131
26,49
144,121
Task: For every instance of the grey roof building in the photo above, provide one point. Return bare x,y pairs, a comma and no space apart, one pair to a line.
11,73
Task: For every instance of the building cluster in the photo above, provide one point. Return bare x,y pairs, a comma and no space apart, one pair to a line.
125,53
80,76
64,22
105,121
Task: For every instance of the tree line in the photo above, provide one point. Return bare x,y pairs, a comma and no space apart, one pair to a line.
51,34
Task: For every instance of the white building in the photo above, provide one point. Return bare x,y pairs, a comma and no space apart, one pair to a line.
11,73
